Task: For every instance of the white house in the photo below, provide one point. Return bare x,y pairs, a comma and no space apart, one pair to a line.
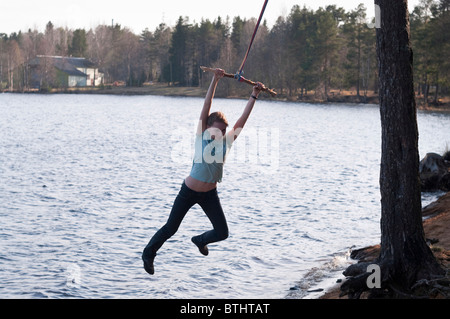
68,72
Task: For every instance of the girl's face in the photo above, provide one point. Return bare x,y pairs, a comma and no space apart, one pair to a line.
218,126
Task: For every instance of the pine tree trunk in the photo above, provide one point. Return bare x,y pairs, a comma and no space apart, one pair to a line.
403,245
404,256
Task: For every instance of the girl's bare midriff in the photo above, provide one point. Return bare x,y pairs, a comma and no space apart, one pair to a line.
199,186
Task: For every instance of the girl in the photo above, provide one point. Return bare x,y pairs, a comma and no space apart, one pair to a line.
211,145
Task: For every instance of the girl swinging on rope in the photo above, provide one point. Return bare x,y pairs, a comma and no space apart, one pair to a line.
212,143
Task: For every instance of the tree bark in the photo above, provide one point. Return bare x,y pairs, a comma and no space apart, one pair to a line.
403,244
404,256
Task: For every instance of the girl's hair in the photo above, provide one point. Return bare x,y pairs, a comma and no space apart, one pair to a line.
216,117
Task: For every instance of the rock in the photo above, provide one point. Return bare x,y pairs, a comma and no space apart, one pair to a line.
431,163
434,172
316,290
441,205
366,254
446,156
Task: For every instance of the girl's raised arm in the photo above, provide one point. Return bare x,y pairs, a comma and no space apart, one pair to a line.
234,133
218,74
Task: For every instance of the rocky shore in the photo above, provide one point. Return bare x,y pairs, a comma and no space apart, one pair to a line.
436,224
434,171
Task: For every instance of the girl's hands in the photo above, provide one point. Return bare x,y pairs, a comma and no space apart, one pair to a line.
218,74
257,89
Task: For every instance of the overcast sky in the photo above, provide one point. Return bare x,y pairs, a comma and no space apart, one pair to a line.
18,15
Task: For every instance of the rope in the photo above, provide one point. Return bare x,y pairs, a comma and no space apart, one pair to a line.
241,69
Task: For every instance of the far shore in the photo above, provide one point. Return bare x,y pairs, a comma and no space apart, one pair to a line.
162,89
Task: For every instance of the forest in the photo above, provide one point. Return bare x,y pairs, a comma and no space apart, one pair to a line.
323,53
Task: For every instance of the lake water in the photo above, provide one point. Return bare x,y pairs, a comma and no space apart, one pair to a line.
86,180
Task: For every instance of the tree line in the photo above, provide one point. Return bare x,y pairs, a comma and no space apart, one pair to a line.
321,52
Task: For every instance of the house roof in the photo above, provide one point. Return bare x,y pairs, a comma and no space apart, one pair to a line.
67,65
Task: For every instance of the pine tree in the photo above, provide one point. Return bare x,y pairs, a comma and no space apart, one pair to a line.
405,257
79,44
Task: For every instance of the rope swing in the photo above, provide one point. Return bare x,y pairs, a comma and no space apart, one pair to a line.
241,69
238,76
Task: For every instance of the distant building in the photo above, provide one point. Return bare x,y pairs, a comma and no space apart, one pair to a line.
57,71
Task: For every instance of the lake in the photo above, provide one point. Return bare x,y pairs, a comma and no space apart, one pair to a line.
86,180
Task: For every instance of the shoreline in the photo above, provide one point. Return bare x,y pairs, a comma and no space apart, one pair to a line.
161,89
436,223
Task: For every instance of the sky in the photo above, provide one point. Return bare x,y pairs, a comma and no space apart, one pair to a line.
138,15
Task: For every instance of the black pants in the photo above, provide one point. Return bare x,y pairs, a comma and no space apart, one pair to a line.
208,201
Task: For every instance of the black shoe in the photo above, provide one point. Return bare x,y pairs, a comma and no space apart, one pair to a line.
148,262
202,248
